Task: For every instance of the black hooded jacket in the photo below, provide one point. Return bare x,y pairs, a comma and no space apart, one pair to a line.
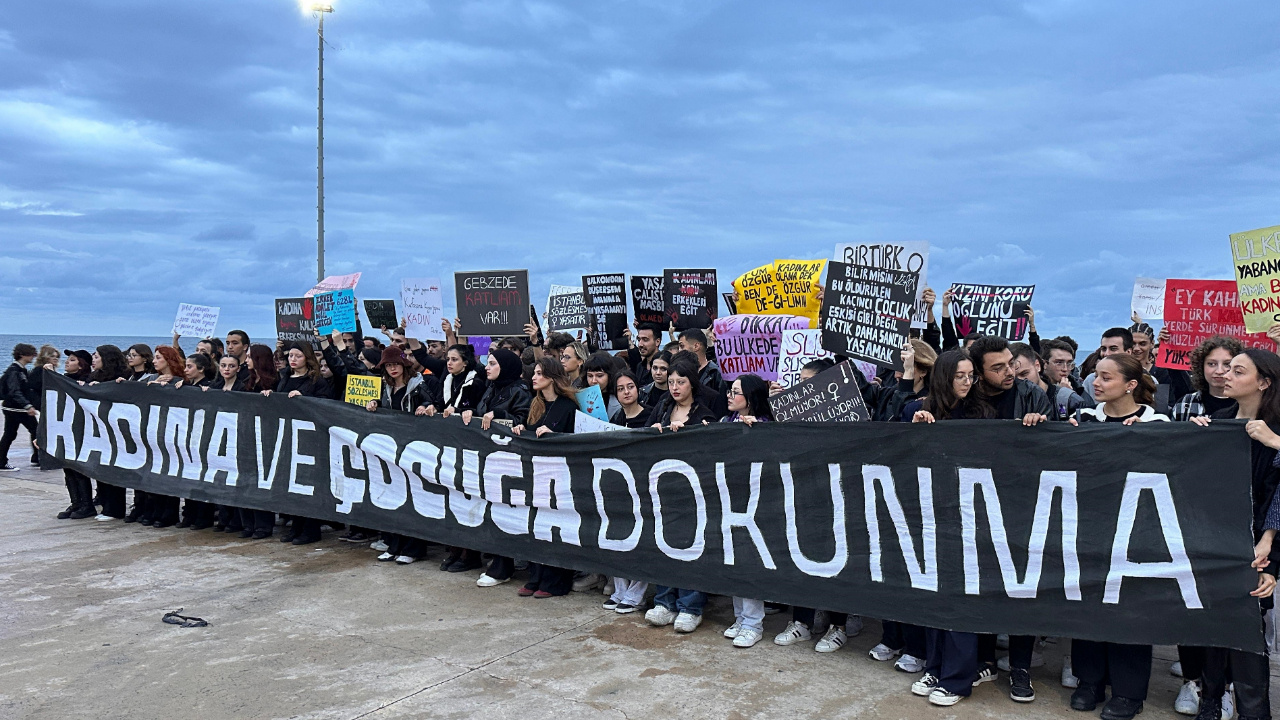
507,397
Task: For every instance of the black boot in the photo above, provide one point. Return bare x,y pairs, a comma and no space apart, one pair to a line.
1210,709
82,499
1122,708
1086,697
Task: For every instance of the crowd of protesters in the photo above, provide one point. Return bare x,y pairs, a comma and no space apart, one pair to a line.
671,381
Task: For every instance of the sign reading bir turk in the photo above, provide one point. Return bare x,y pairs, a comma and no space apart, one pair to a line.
492,302
866,312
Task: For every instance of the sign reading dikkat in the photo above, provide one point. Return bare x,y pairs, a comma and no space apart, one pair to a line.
750,343
1256,257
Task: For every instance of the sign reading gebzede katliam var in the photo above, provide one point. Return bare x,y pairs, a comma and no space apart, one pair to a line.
492,302
1083,532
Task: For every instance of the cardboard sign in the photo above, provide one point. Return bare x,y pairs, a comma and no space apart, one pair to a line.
730,302
910,256
866,313
999,310
567,311
493,302
584,423
335,311
690,298
591,401
423,305
646,299
295,320
1256,257
751,343
195,320
1198,309
363,388
1148,298
382,314
334,282
829,396
797,349
606,300
783,287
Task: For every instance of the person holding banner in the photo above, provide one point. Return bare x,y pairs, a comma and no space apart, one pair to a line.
1210,366
462,385
631,413
79,486
1254,385
1029,366
685,406
111,365
259,369
161,511
199,371
397,395
302,380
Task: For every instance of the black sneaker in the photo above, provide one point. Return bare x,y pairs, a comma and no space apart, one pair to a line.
1020,689
1209,709
986,673
1086,697
8,468
1121,708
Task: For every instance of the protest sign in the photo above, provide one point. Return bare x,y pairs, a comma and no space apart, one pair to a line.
567,311
1198,309
363,388
830,396
195,320
481,344
730,302
423,305
690,298
584,423
606,301
999,310
908,256
1148,298
295,320
751,343
334,282
1256,257
382,314
335,311
798,347
646,299
798,286
754,290
591,401
1128,540
866,313
492,302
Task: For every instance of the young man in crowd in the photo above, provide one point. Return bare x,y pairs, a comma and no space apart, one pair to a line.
1114,340
237,346
640,354
694,341
1028,366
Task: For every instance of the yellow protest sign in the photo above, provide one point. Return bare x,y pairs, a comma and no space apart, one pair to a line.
783,287
363,388
753,290
1256,256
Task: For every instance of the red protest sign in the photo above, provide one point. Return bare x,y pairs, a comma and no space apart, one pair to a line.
1199,309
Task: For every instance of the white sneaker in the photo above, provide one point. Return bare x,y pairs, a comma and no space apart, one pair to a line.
731,632
883,653
853,626
1188,700
378,545
687,623
385,557
609,604
486,581
746,638
795,632
405,559
1069,680
909,664
1176,669
659,616
1228,703
943,698
590,581
925,685
833,640
103,518
1037,660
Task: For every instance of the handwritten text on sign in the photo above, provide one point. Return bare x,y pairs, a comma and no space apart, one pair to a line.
423,306
1198,309
866,313
195,320
751,343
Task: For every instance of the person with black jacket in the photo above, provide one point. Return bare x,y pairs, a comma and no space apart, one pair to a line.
885,402
259,370
647,345
141,367
46,361
109,365
631,413
655,391
998,392
158,510
462,386
398,396
78,367
303,380
20,410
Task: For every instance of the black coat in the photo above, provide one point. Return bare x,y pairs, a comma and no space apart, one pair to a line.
559,417
318,388
509,402
698,413
15,388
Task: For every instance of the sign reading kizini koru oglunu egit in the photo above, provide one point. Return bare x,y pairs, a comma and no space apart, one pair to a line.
1090,536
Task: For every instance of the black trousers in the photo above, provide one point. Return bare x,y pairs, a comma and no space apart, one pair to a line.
404,545
162,509
112,497
1250,674
305,528
808,615
79,489
501,568
952,657
197,514
904,637
13,421
230,518
554,580
1127,666
1020,649
262,522
1192,659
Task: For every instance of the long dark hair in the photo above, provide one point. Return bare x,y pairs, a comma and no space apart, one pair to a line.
689,372
113,364
468,355
1268,366
313,365
942,400
1131,369
204,364
755,392
555,372
263,375
144,351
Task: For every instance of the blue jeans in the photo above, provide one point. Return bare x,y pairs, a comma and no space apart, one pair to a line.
681,601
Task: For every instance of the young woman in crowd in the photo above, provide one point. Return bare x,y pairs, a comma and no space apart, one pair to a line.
598,371
256,524
397,395
19,407
79,367
572,358
161,511
631,413
656,390
463,385
748,404
199,371
46,361
303,380
885,402
228,376
110,365
1253,384
506,398
141,366
552,410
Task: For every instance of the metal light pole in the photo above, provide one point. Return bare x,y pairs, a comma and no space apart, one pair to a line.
320,9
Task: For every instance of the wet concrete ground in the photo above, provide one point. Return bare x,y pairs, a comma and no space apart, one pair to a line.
324,631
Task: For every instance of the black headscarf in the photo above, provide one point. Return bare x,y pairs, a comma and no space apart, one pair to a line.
512,368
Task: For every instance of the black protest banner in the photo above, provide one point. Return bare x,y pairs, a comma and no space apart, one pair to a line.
492,302
983,526
866,312
646,299
999,310
295,319
690,298
381,314
606,298
830,396
566,309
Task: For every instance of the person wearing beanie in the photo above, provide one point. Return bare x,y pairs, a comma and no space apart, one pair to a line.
398,395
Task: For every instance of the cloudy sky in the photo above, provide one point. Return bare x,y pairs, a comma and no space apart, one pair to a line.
153,152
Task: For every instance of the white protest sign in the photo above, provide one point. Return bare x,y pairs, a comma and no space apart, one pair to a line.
195,320
334,282
584,423
423,305
1148,298
798,347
